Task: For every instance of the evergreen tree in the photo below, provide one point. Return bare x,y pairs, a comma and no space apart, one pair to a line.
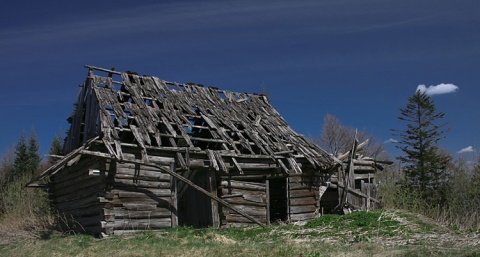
27,159
424,165
55,147
20,164
34,158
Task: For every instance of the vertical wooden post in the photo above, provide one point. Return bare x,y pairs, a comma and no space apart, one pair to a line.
213,190
287,187
340,190
267,185
364,200
368,192
173,188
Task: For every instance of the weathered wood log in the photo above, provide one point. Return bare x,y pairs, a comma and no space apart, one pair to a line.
243,185
121,171
79,194
139,206
68,194
158,201
67,188
242,201
141,177
243,192
303,216
141,183
142,193
140,224
302,209
235,218
300,179
365,169
303,201
300,186
123,213
77,203
79,171
259,211
303,193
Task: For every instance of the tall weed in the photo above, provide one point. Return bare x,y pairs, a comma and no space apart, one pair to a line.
459,208
24,209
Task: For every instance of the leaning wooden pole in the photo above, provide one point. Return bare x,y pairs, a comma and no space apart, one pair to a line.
186,181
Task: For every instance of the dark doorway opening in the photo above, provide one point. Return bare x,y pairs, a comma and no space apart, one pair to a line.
278,205
195,208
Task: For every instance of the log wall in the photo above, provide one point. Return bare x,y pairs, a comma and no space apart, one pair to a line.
304,198
140,198
79,195
250,197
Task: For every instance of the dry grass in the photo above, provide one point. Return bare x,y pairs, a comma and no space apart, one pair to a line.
386,233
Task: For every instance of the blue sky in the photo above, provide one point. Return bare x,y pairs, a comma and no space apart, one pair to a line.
356,60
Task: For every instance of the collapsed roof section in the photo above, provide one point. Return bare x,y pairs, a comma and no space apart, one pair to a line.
124,108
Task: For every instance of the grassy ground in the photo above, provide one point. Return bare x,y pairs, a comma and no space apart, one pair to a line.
378,233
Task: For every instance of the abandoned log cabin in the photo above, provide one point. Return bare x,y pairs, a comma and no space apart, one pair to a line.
143,153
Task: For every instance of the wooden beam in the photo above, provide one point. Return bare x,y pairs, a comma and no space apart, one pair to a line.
61,163
356,192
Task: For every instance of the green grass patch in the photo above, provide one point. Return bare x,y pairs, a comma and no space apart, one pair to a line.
361,233
360,222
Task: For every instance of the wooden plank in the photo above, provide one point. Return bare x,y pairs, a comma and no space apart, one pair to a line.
158,201
139,206
78,194
136,192
238,201
160,178
78,189
80,202
141,183
232,218
303,216
256,211
300,186
123,213
243,185
242,192
213,161
303,201
220,161
235,163
302,209
141,224
302,193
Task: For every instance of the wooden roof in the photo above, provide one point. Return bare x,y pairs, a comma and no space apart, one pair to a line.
150,113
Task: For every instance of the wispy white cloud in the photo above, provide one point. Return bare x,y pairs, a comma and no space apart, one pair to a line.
389,141
467,149
438,89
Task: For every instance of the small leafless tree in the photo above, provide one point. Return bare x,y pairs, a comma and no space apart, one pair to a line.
337,139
